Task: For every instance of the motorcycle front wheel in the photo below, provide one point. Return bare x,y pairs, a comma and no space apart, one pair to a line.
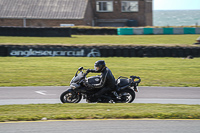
127,95
70,97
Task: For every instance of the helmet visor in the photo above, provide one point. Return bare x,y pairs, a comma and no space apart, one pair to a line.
96,68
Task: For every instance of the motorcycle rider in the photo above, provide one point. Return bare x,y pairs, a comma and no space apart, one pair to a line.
107,82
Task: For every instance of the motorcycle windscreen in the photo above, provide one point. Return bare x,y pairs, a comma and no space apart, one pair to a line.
77,78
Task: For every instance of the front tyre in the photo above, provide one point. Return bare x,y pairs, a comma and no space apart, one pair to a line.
127,95
70,97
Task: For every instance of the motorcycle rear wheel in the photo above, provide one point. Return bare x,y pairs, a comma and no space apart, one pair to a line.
127,95
70,97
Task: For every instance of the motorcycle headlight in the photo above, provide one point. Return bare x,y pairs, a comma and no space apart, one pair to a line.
74,85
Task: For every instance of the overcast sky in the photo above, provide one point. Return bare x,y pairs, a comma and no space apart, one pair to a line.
176,4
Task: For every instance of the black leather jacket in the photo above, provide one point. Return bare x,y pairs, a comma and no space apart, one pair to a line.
107,79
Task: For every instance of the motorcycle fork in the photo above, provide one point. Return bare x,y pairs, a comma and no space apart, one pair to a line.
84,96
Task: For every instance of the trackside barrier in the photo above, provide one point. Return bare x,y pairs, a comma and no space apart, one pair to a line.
127,31
102,31
54,32
97,51
157,31
66,32
35,32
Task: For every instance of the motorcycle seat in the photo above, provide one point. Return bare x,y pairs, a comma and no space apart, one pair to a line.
123,82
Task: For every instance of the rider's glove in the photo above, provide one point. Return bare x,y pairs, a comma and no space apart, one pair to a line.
88,70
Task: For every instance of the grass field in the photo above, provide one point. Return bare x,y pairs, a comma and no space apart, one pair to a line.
91,40
58,71
97,111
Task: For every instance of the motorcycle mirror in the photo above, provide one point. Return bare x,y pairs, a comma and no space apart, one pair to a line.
80,68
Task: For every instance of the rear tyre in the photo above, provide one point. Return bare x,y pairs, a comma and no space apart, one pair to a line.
127,95
70,97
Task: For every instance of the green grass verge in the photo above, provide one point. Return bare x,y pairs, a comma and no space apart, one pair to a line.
58,71
97,111
91,40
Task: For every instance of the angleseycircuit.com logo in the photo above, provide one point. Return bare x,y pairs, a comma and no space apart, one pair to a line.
70,53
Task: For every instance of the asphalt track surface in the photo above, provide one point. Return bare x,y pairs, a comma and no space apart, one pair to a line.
34,95
103,126
51,94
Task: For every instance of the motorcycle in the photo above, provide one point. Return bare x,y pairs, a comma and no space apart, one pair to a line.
124,91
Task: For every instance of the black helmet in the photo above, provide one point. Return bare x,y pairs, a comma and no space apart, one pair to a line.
101,64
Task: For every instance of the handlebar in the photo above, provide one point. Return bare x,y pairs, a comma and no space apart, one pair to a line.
81,70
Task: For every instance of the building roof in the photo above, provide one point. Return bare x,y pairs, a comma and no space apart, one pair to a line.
43,9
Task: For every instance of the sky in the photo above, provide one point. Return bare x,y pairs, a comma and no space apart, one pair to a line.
176,4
